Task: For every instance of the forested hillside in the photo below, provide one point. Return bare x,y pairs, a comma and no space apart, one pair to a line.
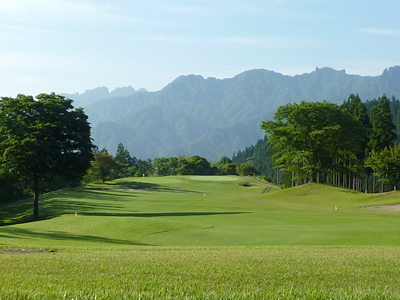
212,117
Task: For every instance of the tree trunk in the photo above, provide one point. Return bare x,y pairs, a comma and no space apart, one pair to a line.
373,183
293,178
36,197
277,177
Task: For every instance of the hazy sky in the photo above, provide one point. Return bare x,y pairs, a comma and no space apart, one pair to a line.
74,45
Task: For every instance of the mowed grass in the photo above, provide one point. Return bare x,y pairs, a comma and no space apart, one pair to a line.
205,211
202,237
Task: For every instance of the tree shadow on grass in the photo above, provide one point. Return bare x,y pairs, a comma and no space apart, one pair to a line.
164,214
18,211
56,204
68,201
13,232
134,185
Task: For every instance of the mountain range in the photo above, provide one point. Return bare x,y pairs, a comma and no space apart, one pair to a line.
214,117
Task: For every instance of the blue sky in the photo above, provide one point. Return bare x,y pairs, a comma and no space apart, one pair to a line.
73,45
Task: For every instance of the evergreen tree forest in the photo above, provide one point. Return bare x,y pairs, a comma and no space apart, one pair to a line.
352,145
257,156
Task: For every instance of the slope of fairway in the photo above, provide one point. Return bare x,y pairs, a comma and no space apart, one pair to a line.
204,211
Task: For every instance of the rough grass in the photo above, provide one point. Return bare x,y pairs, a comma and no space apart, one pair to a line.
223,273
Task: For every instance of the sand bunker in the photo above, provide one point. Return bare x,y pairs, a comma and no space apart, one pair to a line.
132,190
214,178
395,207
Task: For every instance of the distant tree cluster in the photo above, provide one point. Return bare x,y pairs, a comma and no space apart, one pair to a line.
340,145
106,166
194,165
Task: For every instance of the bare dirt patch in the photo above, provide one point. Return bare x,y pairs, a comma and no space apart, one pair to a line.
23,251
395,207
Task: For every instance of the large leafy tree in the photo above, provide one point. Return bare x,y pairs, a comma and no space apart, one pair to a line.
387,164
310,138
44,139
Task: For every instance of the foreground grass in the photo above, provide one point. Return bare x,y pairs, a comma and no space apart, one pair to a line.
275,272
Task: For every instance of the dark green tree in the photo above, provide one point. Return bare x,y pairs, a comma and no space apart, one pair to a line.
382,128
162,166
227,169
258,155
358,109
10,187
42,139
246,169
103,166
126,165
144,167
224,160
194,165
122,156
200,166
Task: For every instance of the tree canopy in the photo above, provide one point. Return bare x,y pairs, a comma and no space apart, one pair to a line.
306,138
42,140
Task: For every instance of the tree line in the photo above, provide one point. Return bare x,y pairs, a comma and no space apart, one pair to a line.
345,145
106,166
263,162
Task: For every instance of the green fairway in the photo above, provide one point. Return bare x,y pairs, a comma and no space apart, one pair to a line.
205,211
201,237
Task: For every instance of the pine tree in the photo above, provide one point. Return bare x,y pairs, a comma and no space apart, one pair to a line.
382,128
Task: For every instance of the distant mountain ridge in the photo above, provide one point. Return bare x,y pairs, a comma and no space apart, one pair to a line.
215,117
91,96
